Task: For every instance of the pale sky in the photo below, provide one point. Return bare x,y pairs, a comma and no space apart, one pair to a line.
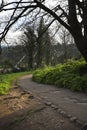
13,36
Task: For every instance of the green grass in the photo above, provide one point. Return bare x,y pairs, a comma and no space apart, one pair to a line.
6,81
71,75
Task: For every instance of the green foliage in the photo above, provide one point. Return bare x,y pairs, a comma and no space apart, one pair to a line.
7,80
72,75
39,74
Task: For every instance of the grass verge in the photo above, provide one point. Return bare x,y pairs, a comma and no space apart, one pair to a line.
6,81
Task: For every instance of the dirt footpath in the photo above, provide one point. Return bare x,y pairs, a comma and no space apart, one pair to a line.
21,110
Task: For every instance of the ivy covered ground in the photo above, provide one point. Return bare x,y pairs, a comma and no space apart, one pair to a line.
71,75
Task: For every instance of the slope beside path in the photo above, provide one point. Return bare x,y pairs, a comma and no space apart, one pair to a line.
32,106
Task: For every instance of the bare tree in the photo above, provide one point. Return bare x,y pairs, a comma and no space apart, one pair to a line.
28,40
65,40
43,44
73,16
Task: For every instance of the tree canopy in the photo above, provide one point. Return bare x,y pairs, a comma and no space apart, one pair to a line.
72,14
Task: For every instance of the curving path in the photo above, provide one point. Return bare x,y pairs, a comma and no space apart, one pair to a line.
71,104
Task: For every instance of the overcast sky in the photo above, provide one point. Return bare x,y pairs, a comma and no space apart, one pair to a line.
12,35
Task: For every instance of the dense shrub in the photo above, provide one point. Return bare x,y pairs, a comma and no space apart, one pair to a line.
72,75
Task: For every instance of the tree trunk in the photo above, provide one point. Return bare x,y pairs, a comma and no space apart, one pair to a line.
0,49
30,63
30,50
39,57
81,44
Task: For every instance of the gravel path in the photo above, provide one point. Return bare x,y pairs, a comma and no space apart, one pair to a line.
71,105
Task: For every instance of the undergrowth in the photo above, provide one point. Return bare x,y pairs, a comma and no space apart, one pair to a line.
6,81
71,75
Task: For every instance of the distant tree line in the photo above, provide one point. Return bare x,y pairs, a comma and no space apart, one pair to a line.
39,48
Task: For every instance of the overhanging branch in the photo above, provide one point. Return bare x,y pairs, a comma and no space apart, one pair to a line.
40,5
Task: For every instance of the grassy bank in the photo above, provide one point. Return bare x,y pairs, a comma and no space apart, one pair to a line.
71,75
6,81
